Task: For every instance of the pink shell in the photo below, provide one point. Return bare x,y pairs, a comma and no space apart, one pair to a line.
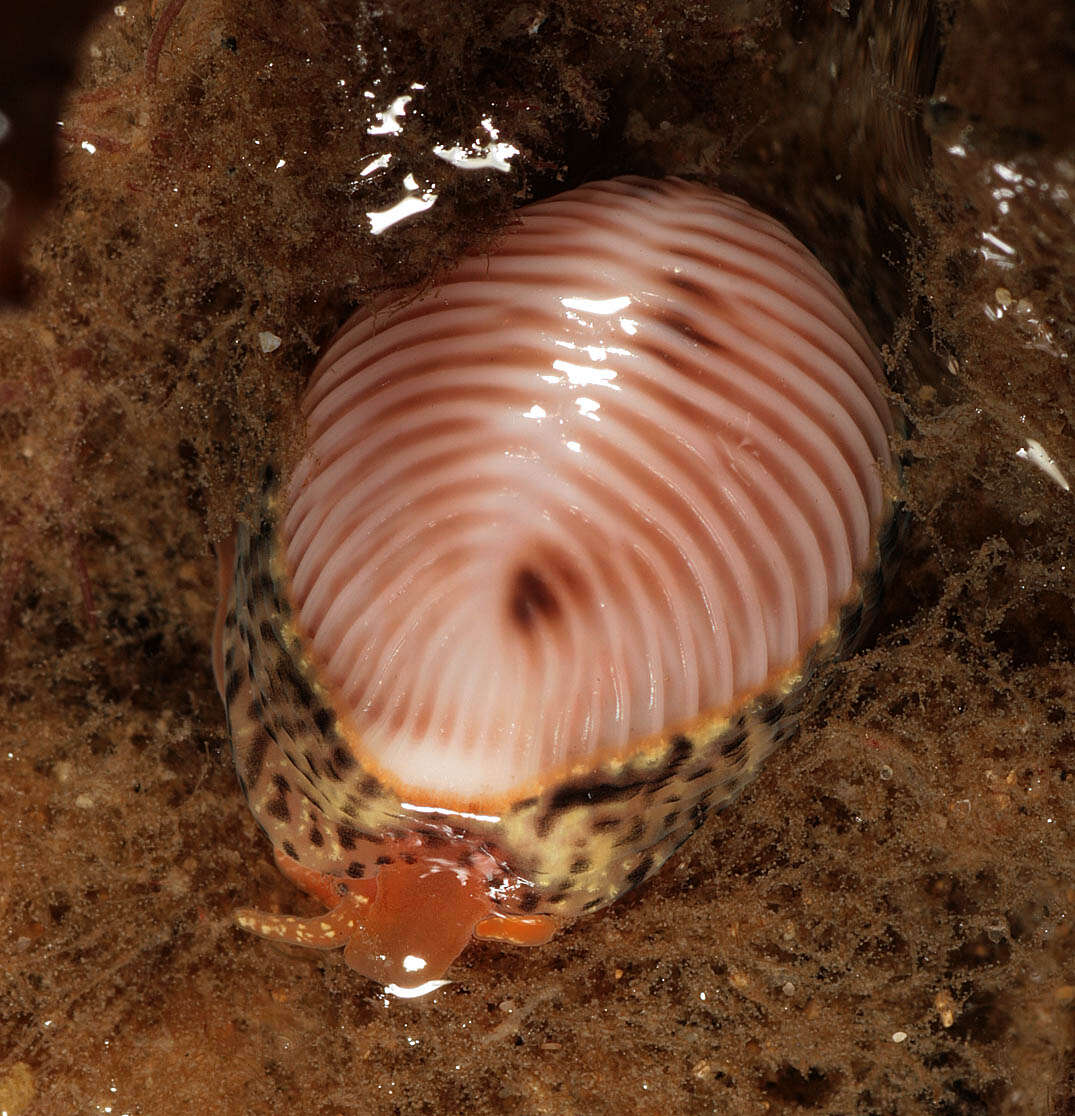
617,474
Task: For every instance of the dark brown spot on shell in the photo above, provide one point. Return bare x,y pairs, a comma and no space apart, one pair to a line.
733,743
290,675
255,756
531,598
289,850
687,329
680,752
689,286
593,794
317,838
279,809
772,712
232,687
355,870
637,875
343,759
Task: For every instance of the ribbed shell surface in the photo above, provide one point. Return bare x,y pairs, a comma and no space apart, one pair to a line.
619,474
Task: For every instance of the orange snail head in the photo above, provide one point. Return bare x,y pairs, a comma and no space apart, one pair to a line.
403,927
